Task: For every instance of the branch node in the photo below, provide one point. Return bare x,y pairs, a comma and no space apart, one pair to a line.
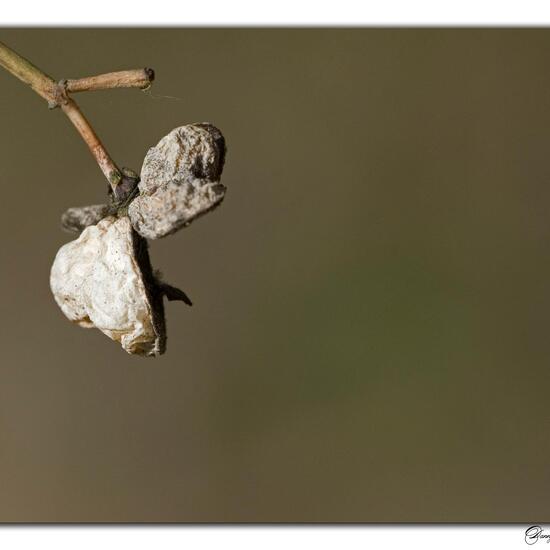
150,73
61,92
57,95
60,96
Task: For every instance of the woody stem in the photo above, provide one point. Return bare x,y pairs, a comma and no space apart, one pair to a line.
56,94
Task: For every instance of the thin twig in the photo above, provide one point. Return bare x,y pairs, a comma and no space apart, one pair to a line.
137,78
56,94
23,69
84,128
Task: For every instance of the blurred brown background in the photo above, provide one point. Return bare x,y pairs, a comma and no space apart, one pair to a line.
369,340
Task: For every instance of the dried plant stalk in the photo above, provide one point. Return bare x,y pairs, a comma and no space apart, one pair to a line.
138,78
56,94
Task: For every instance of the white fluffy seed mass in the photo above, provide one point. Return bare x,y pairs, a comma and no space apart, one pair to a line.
97,282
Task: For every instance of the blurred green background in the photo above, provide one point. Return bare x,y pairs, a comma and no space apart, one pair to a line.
369,340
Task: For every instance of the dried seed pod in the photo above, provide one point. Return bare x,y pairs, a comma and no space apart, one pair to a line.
180,180
104,279
78,218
